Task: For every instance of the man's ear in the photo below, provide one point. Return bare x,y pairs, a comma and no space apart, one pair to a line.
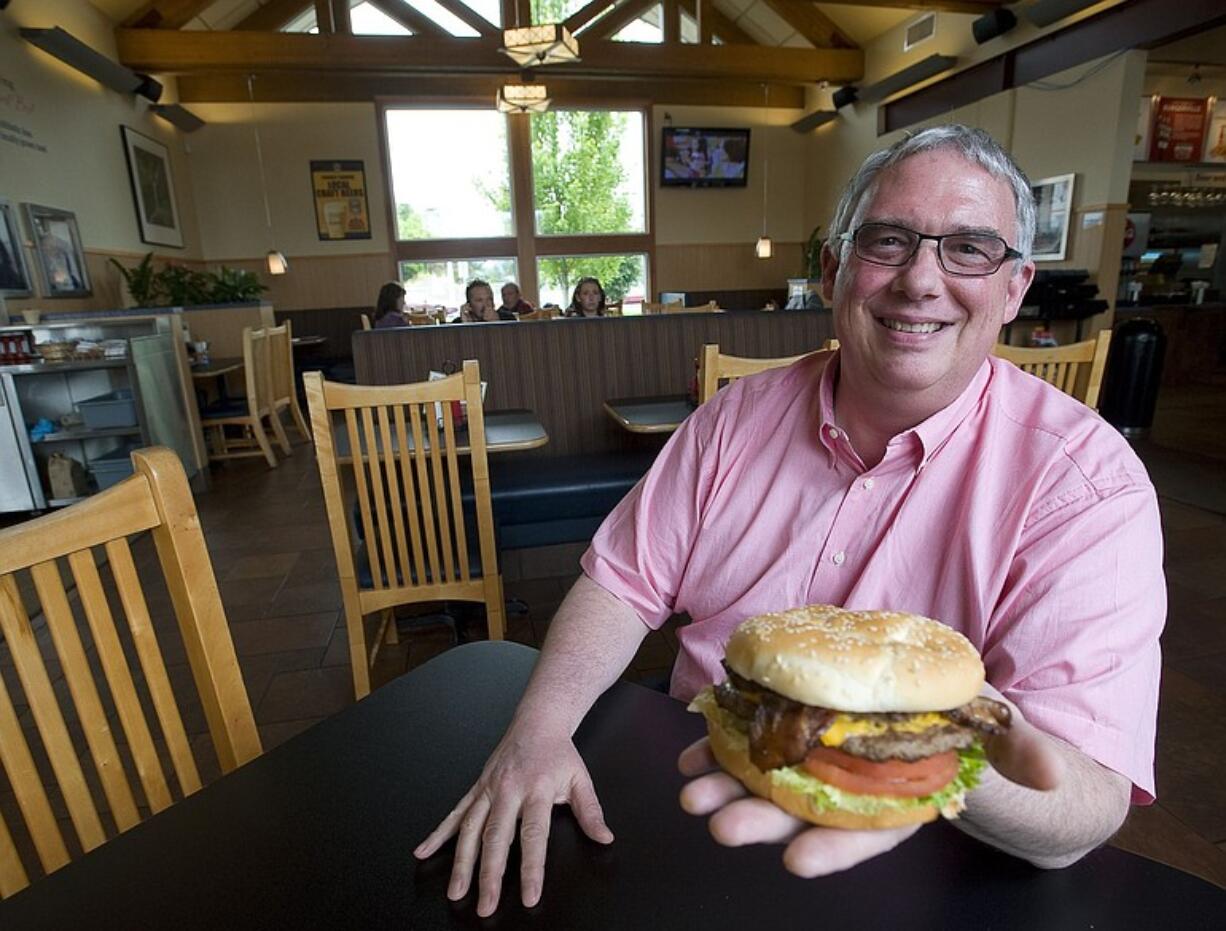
1019,284
830,268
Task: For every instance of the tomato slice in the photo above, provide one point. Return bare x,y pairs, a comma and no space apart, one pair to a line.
891,777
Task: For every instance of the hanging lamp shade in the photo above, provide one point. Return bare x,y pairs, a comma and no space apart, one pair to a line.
764,248
544,44
522,98
278,264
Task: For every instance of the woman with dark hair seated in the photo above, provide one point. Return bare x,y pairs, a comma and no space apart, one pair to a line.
479,306
389,308
588,299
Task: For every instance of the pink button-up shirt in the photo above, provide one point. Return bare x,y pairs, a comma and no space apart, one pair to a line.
1015,515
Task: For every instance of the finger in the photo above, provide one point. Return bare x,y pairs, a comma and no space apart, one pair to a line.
533,843
586,806
496,840
753,821
822,851
1025,755
467,844
696,759
446,828
710,793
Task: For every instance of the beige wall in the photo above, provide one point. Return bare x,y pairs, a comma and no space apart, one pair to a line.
75,159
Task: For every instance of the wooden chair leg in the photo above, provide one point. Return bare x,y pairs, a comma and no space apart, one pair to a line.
356,634
391,635
278,428
300,423
257,430
495,607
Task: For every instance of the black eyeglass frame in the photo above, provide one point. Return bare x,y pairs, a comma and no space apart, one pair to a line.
850,237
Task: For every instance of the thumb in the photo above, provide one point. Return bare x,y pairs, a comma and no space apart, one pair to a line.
1025,755
586,806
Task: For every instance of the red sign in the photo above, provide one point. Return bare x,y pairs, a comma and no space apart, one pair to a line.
1179,129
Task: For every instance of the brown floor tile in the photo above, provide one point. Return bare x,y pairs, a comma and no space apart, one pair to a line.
260,669
272,735
282,634
262,566
250,591
309,693
1191,749
1154,832
1176,516
338,646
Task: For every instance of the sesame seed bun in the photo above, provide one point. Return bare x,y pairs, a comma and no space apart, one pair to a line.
857,661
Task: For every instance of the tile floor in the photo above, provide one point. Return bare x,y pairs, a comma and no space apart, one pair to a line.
267,535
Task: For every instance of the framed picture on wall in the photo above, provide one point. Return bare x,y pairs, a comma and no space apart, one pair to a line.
57,246
1053,198
153,189
14,275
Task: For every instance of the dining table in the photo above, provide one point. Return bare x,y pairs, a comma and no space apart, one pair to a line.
505,432
655,414
319,832
214,370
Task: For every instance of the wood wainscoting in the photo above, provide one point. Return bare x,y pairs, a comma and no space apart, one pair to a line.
565,369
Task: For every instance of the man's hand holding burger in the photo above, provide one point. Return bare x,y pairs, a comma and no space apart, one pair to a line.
868,724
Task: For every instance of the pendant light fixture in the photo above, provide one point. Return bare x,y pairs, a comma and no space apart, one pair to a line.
764,248
277,262
522,98
544,44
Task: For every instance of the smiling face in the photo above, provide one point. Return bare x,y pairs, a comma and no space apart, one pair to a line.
589,298
916,328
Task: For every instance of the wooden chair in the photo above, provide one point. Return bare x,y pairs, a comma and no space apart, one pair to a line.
537,315
422,319
248,412
651,307
715,367
366,324
284,383
155,498
1061,365
406,474
613,309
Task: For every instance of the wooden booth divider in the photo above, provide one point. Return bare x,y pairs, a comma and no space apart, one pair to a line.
564,370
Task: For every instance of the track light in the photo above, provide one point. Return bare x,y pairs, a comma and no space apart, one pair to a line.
76,53
177,115
993,24
150,88
920,71
815,119
845,95
1046,12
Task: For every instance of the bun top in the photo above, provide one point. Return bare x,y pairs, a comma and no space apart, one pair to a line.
858,661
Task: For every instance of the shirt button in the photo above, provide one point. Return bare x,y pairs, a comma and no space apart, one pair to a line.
868,484
838,558
832,433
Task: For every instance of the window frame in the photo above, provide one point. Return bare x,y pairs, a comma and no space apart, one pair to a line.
525,245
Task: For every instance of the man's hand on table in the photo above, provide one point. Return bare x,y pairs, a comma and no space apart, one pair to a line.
1024,755
522,781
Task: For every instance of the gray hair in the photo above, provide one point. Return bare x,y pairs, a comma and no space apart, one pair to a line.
975,145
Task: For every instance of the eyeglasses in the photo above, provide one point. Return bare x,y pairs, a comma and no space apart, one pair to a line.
969,255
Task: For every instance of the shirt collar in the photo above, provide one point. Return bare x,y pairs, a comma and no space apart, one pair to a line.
931,434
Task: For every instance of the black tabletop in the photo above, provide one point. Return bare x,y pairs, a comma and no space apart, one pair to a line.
319,833
658,414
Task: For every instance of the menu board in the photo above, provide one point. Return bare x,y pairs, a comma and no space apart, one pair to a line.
1215,149
1179,129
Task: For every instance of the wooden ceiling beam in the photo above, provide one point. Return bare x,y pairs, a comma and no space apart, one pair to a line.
585,14
974,7
185,52
718,23
410,18
470,17
167,14
310,87
815,26
275,15
623,15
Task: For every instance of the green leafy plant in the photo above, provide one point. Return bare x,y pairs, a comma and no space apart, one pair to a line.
234,285
142,281
813,256
183,286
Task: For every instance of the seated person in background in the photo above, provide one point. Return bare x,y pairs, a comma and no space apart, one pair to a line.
513,303
389,308
588,299
479,306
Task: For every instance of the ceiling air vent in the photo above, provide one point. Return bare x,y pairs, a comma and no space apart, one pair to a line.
919,31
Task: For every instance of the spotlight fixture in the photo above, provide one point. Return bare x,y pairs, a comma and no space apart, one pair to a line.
522,98
545,44
74,52
150,88
815,119
920,71
990,25
177,115
844,96
1046,12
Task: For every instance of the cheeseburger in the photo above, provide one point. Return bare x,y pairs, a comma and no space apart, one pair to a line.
852,719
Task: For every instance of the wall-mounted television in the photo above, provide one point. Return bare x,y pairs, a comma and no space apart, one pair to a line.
704,157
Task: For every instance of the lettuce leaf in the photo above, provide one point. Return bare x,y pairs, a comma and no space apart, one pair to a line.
825,797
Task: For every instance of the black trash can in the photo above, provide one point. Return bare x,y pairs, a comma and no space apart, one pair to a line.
1134,374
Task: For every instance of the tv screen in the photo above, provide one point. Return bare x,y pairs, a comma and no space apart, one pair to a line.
704,157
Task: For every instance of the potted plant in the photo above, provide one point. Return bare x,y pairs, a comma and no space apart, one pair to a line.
142,281
180,286
804,293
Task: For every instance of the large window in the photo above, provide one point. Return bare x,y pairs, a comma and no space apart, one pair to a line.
576,207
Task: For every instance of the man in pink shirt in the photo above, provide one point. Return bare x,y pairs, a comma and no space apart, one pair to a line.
908,471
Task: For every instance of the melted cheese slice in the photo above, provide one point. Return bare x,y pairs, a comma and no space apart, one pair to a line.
844,727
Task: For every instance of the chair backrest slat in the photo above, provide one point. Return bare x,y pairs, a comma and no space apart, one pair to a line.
390,445
374,463
1062,366
410,493
123,690
445,537
425,504
715,367
360,450
140,625
457,508
13,876
280,361
24,779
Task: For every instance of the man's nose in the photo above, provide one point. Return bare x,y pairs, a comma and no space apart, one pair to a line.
922,275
